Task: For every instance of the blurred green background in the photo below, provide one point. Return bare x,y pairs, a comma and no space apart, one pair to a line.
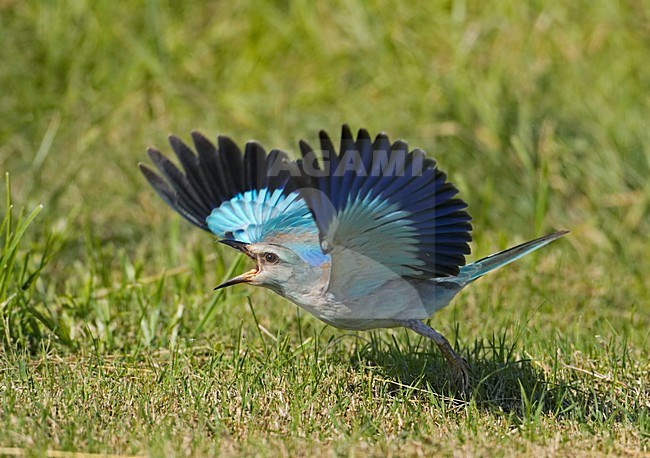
538,111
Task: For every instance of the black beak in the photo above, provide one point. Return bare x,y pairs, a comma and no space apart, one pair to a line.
239,246
245,277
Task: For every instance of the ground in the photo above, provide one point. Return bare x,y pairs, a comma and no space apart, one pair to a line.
112,338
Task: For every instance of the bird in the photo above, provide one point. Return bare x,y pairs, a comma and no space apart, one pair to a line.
372,235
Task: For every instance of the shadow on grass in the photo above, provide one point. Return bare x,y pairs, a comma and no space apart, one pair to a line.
500,382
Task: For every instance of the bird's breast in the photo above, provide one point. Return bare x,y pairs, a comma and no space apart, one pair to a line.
379,308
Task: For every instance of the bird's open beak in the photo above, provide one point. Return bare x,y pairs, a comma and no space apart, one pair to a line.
245,277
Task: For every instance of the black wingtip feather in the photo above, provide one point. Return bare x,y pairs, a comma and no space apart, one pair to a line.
211,176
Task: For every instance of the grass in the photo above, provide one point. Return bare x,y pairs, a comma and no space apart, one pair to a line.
112,338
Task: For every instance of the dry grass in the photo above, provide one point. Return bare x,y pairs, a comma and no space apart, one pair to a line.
113,341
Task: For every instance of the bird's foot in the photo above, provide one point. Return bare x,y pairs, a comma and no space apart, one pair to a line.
460,370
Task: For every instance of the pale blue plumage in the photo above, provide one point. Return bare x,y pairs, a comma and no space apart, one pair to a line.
255,214
368,236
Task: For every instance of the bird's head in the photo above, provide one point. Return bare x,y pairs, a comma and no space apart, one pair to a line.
276,266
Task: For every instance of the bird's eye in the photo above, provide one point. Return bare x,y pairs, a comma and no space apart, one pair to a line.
271,258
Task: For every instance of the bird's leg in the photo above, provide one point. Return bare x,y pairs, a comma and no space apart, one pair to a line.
459,366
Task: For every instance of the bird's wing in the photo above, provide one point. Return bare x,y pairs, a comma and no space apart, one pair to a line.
383,212
238,196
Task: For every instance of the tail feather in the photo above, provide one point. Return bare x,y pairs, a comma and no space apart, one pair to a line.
494,261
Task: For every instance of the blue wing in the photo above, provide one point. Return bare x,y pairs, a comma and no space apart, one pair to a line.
383,212
241,197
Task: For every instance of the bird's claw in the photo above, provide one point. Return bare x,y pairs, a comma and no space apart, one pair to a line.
460,370
460,373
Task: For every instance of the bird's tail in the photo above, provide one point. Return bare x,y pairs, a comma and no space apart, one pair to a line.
494,261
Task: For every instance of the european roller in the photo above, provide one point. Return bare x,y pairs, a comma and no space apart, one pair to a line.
369,236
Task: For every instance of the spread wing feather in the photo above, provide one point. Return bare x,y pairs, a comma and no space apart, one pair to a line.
383,211
228,193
